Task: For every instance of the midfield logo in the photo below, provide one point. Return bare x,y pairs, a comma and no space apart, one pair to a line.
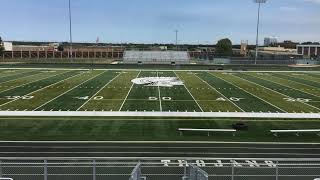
158,81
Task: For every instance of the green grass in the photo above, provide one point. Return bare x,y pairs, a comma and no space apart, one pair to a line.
113,95
75,98
302,81
36,85
205,94
102,90
273,97
315,100
164,129
9,76
207,91
231,91
138,98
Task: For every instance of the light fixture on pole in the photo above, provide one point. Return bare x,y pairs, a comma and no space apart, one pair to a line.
70,30
259,2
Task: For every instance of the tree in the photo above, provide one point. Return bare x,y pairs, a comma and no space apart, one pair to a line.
1,47
60,48
224,47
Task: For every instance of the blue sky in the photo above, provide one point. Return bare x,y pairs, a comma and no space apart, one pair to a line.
154,21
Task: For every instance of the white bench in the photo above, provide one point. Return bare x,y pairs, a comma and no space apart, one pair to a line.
207,130
297,132
6,179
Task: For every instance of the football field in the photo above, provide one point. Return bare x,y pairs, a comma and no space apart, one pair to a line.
159,91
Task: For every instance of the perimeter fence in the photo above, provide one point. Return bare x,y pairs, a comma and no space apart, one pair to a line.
213,169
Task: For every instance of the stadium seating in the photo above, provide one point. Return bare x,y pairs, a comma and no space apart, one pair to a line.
156,57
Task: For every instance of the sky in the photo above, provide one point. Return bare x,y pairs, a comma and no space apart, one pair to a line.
155,21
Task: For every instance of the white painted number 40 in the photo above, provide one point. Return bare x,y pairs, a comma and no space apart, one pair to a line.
234,99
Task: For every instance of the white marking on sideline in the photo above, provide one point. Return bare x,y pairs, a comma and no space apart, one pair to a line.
160,114
115,69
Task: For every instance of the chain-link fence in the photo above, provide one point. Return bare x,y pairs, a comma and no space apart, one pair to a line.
194,172
136,173
213,169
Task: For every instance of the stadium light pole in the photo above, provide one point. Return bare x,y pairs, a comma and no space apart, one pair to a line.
70,29
177,39
259,2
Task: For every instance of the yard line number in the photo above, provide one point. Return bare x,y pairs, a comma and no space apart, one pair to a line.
19,97
98,98
297,100
234,99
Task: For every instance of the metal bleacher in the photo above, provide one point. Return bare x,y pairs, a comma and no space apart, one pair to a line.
156,57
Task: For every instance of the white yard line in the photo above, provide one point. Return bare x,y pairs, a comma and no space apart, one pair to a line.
14,74
272,90
128,93
67,91
98,91
159,94
21,77
156,147
311,87
28,82
292,88
299,78
162,142
288,86
251,94
190,93
316,72
219,92
159,114
306,78
40,89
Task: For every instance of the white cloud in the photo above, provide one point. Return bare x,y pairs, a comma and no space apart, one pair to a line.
288,8
313,1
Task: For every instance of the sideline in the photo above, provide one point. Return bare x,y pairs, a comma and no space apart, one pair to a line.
159,114
164,142
165,70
